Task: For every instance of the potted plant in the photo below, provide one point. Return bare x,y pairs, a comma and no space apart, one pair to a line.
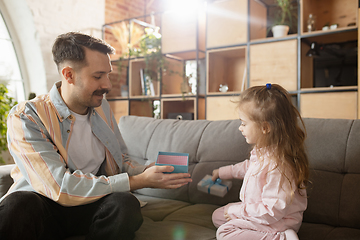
286,12
6,103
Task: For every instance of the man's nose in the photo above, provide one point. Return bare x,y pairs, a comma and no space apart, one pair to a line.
106,83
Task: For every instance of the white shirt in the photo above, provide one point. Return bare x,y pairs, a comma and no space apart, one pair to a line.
85,149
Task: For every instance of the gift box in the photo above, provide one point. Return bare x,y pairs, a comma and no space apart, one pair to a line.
180,161
218,188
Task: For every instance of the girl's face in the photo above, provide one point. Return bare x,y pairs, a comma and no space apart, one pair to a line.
249,129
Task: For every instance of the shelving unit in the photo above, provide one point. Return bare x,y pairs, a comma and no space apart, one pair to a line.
183,41
230,44
283,60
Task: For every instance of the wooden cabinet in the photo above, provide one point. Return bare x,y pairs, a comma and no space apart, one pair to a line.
329,105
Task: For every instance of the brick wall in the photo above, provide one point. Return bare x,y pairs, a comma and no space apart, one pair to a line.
116,10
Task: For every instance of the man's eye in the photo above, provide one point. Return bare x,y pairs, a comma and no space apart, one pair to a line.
97,77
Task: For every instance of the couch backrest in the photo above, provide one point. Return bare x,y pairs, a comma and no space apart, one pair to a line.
334,155
333,149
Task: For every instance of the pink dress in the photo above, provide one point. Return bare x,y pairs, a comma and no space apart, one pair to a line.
266,209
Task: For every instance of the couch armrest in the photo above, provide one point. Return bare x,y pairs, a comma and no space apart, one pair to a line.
5,180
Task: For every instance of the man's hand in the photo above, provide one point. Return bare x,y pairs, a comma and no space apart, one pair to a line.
155,177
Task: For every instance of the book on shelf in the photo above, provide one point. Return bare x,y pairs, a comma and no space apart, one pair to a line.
142,80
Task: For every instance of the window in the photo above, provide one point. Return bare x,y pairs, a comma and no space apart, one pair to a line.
10,73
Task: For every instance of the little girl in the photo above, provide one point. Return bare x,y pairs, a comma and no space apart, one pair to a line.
273,196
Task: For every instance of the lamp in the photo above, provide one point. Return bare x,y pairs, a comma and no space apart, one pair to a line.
313,51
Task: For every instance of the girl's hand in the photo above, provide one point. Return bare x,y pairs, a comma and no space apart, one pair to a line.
226,215
215,175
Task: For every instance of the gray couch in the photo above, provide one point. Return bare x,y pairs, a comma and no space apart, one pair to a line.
334,196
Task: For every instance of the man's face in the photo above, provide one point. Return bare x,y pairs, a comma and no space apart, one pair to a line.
91,81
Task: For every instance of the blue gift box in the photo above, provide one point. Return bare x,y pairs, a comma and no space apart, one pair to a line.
180,161
218,188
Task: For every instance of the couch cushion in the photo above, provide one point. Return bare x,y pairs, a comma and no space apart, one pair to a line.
322,231
158,209
166,230
172,219
334,156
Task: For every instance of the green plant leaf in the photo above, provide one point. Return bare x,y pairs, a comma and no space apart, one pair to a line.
6,103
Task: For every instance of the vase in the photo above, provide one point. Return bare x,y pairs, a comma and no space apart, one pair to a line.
280,30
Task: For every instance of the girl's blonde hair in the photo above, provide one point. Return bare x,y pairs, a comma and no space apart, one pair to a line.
271,108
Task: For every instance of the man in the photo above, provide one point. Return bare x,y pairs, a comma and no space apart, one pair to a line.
73,174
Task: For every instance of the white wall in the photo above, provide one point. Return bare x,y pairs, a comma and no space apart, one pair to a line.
34,25
54,17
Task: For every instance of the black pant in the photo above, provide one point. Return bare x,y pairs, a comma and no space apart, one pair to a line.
28,215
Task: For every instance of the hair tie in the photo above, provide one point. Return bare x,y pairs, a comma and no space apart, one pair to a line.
268,86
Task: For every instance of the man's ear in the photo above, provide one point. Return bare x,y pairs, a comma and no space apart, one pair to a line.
68,74
266,128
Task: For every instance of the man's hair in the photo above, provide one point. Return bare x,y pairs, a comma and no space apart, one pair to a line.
70,47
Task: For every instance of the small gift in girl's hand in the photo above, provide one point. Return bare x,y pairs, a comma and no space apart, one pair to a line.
218,188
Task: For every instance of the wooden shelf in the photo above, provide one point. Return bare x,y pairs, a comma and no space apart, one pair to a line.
135,88
329,105
328,12
226,23
221,108
274,62
143,107
183,32
226,66
173,77
258,20
329,89
336,50
177,105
